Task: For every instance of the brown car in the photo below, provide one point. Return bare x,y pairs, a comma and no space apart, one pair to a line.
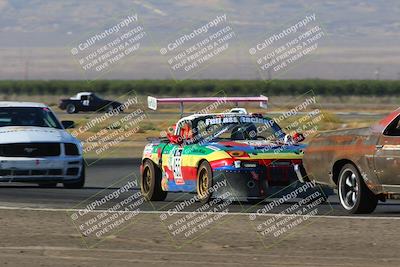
363,164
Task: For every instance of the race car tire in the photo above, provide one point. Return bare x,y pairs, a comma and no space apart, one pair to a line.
78,183
204,182
109,108
47,185
150,184
71,109
120,108
355,197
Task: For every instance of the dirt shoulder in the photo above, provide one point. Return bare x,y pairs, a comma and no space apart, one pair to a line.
48,238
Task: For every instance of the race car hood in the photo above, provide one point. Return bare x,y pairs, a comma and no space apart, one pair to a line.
258,146
28,134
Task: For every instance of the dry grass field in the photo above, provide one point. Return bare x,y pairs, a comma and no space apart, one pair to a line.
338,112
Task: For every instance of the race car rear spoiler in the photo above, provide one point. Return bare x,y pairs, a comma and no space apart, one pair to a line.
153,102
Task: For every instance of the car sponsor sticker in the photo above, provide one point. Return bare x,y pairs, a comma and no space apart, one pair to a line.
242,119
175,164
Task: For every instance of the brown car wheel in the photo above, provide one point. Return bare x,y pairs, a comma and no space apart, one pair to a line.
354,194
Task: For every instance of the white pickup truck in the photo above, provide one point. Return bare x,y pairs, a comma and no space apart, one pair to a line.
36,148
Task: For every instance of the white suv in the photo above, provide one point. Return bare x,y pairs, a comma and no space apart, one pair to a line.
36,148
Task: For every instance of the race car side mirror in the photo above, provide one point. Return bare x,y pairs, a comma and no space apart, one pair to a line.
174,139
298,137
68,124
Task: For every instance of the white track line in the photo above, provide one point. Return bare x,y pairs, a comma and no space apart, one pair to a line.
183,253
188,212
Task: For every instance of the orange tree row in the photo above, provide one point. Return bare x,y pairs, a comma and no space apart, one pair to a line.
205,87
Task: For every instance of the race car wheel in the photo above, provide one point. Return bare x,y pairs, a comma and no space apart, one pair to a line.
204,182
150,184
78,183
71,108
109,108
354,195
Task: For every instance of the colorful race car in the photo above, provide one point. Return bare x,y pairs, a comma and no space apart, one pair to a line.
247,153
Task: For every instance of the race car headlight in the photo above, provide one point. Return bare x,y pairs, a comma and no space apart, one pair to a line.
71,149
237,153
237,164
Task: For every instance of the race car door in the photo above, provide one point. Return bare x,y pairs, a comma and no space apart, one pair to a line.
387,157
85,102
97,103
175,164
179,154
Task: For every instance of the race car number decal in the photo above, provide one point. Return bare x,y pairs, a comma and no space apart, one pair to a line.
177,166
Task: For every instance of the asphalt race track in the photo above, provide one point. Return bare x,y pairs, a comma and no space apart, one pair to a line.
38,228
106,176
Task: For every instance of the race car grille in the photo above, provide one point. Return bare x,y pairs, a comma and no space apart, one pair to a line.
35,172
280,173
30,150
72,171
71,149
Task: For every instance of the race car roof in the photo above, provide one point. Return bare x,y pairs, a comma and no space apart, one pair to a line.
78,95
235,114
195,116
4,104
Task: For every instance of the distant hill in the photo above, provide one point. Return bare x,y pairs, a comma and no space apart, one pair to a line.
363,36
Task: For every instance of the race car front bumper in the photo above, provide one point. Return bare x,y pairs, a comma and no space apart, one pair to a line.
240,184
255,183
46,169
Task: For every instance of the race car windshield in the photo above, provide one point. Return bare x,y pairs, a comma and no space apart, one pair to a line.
28,116
236,128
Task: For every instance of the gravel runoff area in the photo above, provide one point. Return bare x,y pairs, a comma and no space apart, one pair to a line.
48,238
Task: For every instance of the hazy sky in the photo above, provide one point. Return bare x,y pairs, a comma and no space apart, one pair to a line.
133,39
